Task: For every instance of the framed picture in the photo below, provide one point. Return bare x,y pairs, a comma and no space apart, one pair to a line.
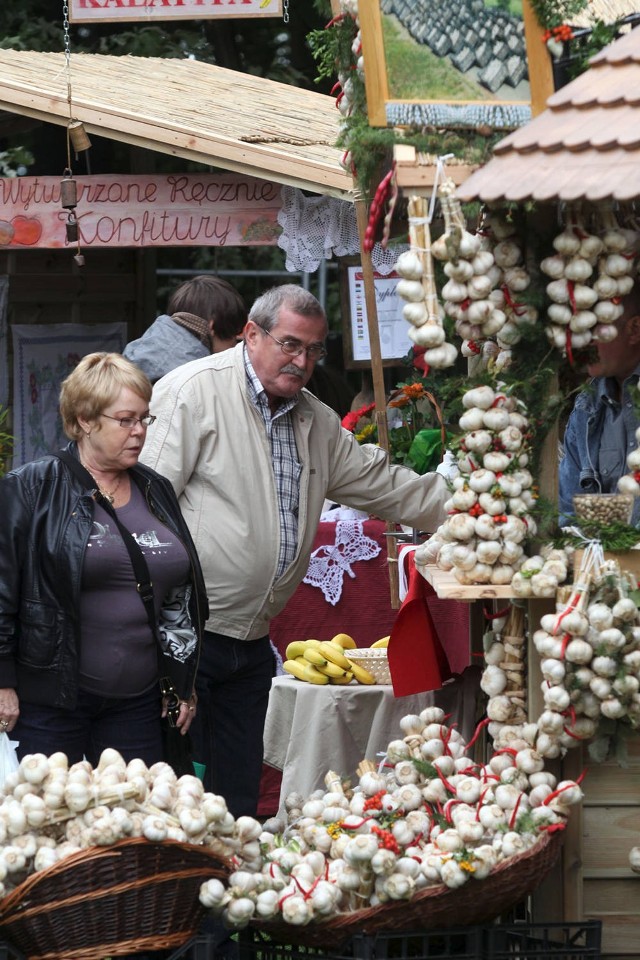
394,341
453,63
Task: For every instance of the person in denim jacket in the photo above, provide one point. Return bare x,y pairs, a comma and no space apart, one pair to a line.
601,430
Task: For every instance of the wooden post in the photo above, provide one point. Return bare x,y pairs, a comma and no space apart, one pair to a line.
379,392
540,69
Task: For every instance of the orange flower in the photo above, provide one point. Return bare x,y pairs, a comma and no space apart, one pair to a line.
413,390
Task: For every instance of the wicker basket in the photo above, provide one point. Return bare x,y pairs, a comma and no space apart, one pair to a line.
375,661
106,901
434,907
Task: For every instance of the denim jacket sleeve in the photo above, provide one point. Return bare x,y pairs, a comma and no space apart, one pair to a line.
577,471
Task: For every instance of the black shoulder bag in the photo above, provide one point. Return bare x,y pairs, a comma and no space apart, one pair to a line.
177,748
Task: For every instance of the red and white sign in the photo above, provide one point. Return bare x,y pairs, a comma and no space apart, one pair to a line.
93,11
191,210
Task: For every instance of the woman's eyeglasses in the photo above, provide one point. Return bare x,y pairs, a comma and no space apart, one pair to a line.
129,422
293,348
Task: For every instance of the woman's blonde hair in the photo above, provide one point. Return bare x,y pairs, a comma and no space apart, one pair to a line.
94,384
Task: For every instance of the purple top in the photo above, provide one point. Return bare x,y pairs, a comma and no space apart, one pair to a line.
118,653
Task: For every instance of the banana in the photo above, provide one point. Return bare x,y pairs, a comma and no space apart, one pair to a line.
313,643
343,680
295,649
332,670
304,671
344,640
333,653
361,675
314,656
382,642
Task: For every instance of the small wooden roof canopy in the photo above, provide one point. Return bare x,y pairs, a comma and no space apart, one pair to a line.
186,108
585,145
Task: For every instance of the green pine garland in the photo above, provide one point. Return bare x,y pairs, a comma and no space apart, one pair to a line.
553,13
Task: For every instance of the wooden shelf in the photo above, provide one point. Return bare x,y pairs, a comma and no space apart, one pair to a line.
415,173
447,587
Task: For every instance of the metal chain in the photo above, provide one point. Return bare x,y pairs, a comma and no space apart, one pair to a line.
285,11
67,57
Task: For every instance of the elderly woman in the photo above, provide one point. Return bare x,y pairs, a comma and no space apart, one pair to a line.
84,648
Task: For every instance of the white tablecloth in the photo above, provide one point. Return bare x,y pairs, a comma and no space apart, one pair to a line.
311,729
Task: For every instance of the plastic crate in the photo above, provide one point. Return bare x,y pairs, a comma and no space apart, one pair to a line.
544,941
462,943
7,952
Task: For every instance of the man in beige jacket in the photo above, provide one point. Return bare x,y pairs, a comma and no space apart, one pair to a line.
252,456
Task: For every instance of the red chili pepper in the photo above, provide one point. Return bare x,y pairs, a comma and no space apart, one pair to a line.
569,348
480,801
552,827
480,726
446,783
512,818
337,19
447,808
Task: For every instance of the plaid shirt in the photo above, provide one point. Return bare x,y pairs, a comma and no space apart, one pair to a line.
286,467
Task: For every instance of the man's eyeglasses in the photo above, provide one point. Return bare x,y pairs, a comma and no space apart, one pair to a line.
129,422
293,348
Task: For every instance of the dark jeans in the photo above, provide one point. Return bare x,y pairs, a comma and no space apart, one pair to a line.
130,725
233,683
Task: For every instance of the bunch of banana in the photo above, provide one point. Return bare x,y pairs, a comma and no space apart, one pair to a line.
325,661
382,642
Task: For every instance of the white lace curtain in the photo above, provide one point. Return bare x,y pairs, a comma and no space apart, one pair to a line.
319,228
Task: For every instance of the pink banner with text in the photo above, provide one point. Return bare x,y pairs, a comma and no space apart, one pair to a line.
197,210
92,11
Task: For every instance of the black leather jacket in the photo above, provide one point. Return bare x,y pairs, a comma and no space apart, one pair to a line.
46,517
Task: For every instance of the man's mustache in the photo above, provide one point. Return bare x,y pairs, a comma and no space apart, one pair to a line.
293,370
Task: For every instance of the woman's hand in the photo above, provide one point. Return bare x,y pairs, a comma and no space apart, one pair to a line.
186,714
9,709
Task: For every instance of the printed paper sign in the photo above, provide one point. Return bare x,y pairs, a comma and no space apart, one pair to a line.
392,327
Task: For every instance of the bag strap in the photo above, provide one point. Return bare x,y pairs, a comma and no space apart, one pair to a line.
144,585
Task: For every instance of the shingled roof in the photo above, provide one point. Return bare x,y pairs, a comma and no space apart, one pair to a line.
585,145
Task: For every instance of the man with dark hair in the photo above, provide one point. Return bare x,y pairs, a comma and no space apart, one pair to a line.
204,315
601,430
252,456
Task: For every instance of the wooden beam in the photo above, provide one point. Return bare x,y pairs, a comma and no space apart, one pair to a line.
379,392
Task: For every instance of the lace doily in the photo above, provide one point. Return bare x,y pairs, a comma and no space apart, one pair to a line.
328,565
319,228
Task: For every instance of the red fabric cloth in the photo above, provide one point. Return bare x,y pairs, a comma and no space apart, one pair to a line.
417,659
363,611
